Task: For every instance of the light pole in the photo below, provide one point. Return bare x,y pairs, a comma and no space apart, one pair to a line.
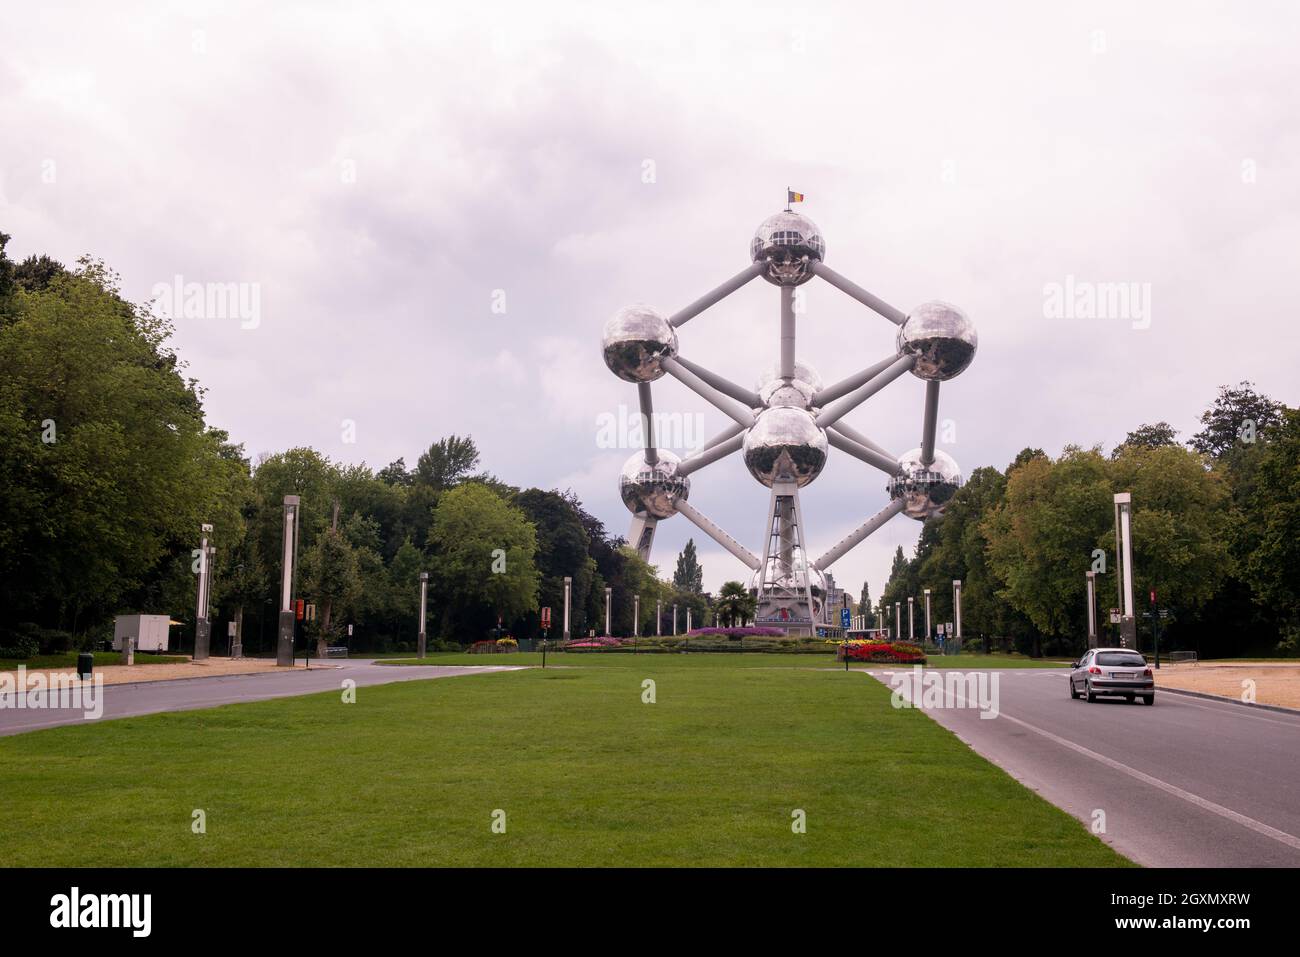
674,618
659,617
568,596
609,593
1091,579
1124,555
928,632
911,622
956,607
898,620
424,614
688,619
636,616
284,648
202,627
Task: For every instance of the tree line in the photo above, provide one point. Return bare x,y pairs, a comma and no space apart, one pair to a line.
108,470
1215,529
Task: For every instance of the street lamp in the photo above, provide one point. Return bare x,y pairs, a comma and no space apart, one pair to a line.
609,592
284,648
1091,579
911,623
956,607
1124,555
568,596
202,627
422,642
928,632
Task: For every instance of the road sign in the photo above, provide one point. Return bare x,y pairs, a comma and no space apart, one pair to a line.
845,618
349,631
1164,612
1114,616
546,617
230,629
1153,596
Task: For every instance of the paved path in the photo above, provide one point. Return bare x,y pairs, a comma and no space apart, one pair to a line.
1186,783
130,700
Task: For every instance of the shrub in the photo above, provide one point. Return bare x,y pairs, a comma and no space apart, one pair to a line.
20,646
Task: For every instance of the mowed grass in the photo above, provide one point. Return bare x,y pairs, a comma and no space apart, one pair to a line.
103,659
585,772
973,662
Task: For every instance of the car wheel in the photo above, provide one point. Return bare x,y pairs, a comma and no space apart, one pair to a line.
1148,699
1088,690
1073,694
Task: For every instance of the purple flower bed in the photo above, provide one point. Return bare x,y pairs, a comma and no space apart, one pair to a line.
736,632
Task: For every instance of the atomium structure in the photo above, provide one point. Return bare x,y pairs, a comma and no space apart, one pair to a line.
786,425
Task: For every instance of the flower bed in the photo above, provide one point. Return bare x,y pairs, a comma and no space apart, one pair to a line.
736,632
885,652
493,646
598,643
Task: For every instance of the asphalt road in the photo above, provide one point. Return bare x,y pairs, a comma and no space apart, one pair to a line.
131,700
1186,783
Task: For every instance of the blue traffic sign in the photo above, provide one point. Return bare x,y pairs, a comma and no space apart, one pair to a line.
844,618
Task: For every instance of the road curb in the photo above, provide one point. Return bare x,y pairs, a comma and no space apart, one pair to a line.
1281,709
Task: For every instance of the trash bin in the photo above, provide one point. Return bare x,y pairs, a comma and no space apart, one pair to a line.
85,664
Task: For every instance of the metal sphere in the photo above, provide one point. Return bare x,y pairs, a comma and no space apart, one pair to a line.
942,338
802,371
653,489
925,489
635,340
785,445
781,394
787,242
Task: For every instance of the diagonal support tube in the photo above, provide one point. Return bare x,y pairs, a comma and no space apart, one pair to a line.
728,432
931,422
720,451
849,432
845,386
717,534
844,406
844,444
851,288
717,295
733,409
647,422
859,533
725,386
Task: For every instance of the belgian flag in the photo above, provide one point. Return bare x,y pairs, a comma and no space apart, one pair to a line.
792,197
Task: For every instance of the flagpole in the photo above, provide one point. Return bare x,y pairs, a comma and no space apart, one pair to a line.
787,199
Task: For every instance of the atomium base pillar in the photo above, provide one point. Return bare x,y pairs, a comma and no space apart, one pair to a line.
641,535
784,593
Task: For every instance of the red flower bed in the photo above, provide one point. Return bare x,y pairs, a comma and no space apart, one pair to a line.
898,652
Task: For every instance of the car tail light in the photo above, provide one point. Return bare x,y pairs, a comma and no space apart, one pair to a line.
1147,673
1094,670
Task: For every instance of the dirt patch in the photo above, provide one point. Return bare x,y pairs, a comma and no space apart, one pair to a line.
115,674
1274,683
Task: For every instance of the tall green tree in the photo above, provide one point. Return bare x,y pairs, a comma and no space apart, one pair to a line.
735,604
688,576
483,566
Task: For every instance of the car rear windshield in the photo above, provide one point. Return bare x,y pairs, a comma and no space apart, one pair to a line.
1122,659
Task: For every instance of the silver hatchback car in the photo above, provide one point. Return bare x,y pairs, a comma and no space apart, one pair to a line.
1113,671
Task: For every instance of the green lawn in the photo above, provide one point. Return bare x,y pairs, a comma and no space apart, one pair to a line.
103,659
586,773
741,660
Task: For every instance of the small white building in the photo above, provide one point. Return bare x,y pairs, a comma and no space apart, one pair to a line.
151,632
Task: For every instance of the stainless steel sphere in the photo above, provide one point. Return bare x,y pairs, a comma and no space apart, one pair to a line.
793,394
787,242
634,341
802,371
652,489
925,490
785,445
942,338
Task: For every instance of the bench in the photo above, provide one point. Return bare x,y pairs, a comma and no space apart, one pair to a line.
336,651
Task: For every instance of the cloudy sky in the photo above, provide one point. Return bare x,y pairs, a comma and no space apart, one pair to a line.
431,209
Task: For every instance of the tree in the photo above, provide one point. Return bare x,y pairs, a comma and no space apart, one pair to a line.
1273,567
483,560
446,463
864,600
107,466
1238,416
562,551
735,604
689,576
1149,437
332,577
